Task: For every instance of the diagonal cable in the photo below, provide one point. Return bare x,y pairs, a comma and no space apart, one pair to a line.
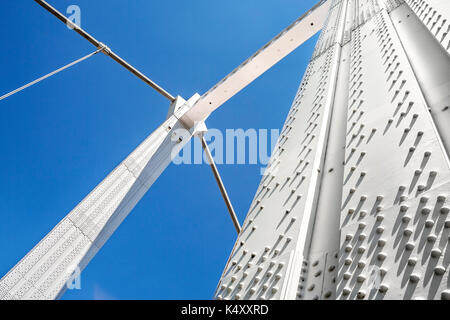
50,74
219,181
106,50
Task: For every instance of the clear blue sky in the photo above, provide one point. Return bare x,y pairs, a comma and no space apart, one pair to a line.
60,138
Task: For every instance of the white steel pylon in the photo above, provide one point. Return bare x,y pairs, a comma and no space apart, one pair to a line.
355,202
45,271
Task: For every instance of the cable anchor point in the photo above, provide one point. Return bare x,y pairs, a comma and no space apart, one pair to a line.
104,48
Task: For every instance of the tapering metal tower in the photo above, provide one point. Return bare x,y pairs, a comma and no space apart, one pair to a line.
355,202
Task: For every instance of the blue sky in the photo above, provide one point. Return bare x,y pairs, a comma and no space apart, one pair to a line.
60,138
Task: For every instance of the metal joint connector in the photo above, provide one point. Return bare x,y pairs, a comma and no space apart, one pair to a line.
104,48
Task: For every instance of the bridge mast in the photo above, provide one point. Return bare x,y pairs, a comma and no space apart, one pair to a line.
355,202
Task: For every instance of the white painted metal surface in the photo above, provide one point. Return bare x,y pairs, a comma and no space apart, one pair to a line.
395,166
379,179
435,15
431,65
45,270
359,181
43,273
279,223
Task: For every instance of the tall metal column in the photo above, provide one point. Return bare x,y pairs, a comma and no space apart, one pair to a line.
273,248
357,206
355,202
44,272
